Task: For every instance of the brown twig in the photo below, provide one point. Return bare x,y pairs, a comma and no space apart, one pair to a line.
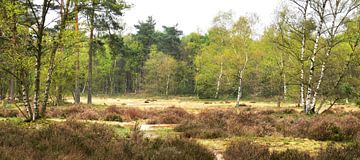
21,111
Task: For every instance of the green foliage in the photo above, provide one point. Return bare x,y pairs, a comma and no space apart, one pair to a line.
160,72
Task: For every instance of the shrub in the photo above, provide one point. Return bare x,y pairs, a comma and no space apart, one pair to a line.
113,117
324,130
245,150
351,152
66,112
177,149
8,112
170,115
73,140
127,114
290,155
89,114
357,102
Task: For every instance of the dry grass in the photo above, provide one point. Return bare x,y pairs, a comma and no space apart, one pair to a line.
194,105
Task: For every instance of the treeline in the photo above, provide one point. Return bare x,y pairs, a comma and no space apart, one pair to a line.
308,55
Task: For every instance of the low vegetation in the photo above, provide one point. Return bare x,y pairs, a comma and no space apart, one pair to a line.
245,150
72,140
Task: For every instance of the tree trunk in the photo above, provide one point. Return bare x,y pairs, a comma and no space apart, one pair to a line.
219,81
167,85
304,10
282,87
26,101
77,48
11,97
1,89
53,54
241,73
129,83
308,107
37,86
91,48
239,94
59,97
333,30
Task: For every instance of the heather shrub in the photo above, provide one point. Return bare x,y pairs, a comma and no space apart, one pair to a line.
8,112
113,117
323,130
170,115
177,149
68,140
350,152
88,114
195,129
290,155
65,112
216,118
73,140
127,114
245,150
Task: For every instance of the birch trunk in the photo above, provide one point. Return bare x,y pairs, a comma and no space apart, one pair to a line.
37,87
332,33
303,48
241,73
39,51
53,54
26,101
219,81
308,108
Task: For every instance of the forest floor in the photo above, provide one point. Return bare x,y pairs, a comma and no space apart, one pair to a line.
275,142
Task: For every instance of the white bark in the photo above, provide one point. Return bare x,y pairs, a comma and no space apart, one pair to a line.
309,94
303,48
26,101
219,81
241,73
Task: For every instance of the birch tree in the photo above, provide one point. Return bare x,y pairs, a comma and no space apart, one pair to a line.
240,41
339,11
303,8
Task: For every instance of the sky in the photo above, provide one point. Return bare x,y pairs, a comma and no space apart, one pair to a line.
197,15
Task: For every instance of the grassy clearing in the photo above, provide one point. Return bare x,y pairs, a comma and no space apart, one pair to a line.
275,143
191,104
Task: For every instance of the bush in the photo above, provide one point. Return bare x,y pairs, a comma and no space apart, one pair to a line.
290,155
72,140
357,102
351,152
170,115
177,149
245,150
113,117
127,114
8,112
